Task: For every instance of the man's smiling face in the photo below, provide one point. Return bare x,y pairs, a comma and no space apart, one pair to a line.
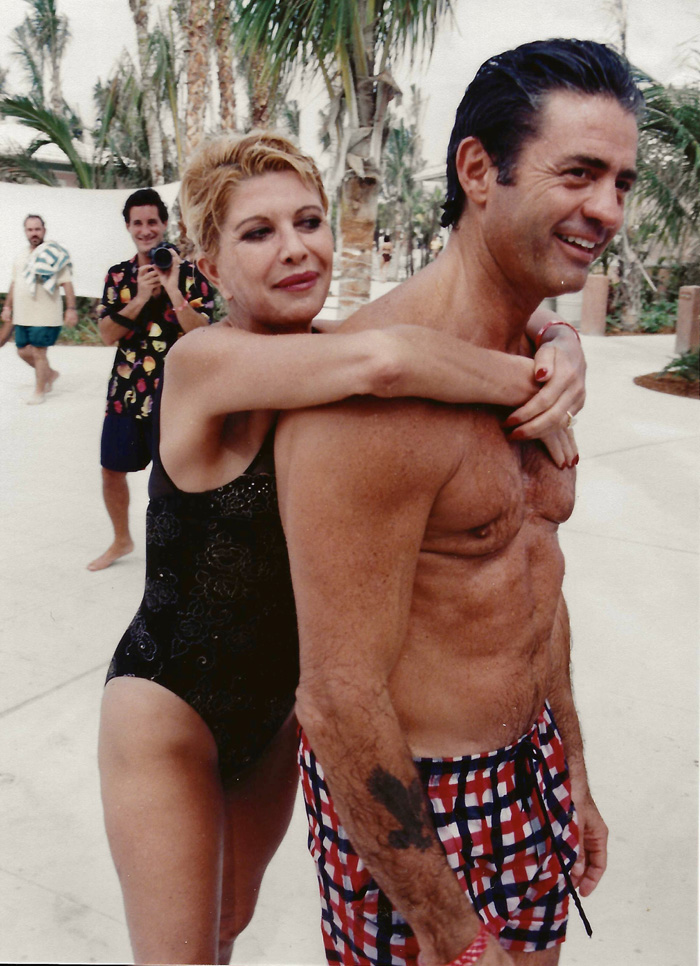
567,199
146,228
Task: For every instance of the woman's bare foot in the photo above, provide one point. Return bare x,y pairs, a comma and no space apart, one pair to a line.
110,555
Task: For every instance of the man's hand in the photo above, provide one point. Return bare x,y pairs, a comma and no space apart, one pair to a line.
6,314
170,279
70,318
593,833
149,282
493,955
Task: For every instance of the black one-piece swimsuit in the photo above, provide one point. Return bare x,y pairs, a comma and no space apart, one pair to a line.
217,623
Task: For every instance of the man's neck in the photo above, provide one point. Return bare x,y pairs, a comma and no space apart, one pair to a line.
498,309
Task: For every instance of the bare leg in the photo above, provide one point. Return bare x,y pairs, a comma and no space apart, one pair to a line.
42,370
52,377
163,805
26,354
115,490
30,355
546,957
258,811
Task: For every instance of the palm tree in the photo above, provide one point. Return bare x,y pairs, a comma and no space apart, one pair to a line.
51,128
199,32
669,165
40,42
352,42
224,64
140,12
167,64
402,164
121,140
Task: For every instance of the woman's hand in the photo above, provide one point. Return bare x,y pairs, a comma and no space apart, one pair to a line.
560,368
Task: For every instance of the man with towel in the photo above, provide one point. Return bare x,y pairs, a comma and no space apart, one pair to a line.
35,306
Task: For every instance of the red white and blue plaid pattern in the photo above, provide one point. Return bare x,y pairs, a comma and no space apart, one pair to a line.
488,818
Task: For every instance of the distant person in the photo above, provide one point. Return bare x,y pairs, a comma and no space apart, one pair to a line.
385,252
146,307
34,304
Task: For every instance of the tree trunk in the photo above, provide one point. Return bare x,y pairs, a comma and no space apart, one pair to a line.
139,10
630,284
224,65
198,39
359,199
261,94
56,89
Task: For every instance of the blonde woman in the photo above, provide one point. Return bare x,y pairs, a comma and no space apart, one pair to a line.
197,739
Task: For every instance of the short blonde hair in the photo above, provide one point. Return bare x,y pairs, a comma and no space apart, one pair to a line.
222,163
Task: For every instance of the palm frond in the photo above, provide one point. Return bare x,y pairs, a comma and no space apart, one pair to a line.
55,128
22,168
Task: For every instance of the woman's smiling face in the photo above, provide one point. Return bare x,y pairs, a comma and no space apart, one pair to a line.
275,254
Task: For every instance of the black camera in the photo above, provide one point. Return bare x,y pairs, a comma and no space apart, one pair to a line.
162,256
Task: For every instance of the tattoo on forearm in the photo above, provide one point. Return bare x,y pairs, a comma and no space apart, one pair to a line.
406,804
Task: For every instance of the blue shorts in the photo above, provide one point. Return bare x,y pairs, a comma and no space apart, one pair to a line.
127,443
40,336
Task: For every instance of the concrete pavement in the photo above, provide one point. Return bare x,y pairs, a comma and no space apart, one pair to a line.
631,582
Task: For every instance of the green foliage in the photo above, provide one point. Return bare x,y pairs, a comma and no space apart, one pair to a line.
120,135
22,168
39,43
669,160
686,365
86,331
52,129
658,316
312,30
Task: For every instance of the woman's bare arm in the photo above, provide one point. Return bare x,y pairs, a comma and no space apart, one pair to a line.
227,370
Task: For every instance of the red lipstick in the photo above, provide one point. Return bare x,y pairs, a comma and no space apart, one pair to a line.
299,282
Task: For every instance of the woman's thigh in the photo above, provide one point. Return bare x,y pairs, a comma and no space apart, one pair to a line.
259,807
164,815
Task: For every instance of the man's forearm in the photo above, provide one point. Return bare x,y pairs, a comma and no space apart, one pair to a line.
69,293
381,803
561,696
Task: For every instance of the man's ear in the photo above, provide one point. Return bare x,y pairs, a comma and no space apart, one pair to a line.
475,169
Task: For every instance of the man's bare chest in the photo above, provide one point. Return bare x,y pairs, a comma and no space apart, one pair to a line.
500,490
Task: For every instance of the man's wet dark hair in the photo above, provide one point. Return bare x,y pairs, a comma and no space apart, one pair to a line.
501,107
145,196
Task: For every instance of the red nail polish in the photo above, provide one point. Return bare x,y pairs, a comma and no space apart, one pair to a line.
540,374
576,458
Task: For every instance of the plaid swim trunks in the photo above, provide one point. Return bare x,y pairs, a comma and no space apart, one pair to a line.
488,813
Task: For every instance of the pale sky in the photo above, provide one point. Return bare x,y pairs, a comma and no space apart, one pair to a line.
661,35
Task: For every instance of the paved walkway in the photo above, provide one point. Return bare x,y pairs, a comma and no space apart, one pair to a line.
632,555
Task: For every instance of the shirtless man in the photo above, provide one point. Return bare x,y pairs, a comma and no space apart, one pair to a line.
427,569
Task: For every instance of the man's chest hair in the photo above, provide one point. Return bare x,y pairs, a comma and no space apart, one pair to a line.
498,489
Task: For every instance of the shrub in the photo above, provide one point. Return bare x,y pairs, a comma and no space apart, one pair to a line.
687,366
